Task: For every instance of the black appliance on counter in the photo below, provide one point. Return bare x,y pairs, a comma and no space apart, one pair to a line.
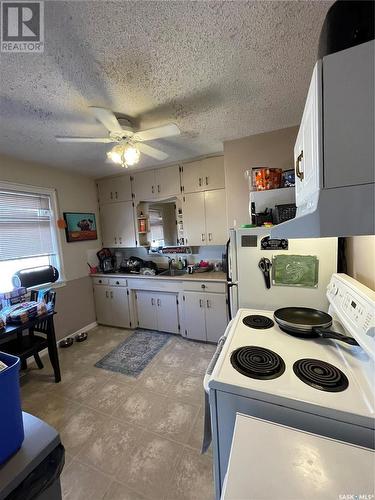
106,260
135,264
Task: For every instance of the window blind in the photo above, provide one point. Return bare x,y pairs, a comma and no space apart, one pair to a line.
25,225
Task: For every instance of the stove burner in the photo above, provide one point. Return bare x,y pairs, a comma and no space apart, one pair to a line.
320,375
257,362
258,321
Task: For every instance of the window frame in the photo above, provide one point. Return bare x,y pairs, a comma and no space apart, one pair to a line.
57,241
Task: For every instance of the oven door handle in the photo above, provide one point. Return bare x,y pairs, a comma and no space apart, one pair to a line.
215,357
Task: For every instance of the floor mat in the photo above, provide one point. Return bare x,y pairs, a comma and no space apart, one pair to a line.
134,354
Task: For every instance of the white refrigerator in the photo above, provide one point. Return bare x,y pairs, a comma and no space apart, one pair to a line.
246,281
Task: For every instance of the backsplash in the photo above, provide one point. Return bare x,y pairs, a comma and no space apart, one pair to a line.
211,253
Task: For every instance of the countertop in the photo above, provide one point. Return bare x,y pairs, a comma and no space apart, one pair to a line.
270,460
218,276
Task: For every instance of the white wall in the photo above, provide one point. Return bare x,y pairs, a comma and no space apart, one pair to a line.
361,259
74,193
271,149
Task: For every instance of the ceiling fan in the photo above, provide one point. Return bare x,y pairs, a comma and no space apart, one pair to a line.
129,142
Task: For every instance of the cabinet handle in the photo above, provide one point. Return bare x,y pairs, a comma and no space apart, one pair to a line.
116,194
200,303
203,286
111,195
206,181
120,238
299,172
152,190
152,302
159,302
208,304
106,294
111,294
203,236
200,182
158,188
115,240
209,236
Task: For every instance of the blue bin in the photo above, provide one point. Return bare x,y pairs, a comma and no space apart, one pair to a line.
11,423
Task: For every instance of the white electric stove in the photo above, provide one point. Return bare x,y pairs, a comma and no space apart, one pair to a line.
318,385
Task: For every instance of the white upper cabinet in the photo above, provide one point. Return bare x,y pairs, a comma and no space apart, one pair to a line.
216,214
118,227
204,216
334,150
168,182
308,144
144,185
194,218
213,170
157,184
203,175
115,189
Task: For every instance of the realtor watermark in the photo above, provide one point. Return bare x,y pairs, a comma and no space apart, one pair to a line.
22,26
358,496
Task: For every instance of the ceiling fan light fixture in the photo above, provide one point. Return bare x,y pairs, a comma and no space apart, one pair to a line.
131,155
116,154
125,155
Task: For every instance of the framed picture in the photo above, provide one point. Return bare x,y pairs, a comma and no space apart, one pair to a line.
80,226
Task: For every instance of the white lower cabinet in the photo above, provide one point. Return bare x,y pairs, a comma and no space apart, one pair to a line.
157,311
194,314
205,315
112,306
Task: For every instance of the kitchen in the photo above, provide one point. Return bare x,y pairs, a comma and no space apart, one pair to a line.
178,264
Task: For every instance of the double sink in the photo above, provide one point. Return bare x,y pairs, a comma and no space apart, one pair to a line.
172,272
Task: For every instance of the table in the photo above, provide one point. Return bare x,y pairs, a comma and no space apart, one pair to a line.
42,442
25,346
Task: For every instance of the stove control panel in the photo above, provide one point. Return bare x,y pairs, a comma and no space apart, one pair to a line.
354,305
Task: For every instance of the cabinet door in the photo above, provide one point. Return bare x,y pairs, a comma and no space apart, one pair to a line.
194,314
144,187
146,310
167,312
167,182
307,149
119,306
212,171
194,219
216,315
124,215
109,225
115,189
102,305
216,217
192,177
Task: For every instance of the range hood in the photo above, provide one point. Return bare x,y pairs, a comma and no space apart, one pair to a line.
334,150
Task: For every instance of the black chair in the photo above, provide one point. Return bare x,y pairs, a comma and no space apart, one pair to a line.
39,327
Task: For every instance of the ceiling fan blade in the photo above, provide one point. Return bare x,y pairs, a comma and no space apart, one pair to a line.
104,140
150,151
107,118
168,130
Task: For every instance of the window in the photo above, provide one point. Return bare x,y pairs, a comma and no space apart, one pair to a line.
28,235
156,228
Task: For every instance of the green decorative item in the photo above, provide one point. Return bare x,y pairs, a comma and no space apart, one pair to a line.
295,270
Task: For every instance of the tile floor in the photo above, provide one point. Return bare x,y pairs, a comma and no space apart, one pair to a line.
126,438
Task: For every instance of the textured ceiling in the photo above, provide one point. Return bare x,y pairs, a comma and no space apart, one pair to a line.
220,70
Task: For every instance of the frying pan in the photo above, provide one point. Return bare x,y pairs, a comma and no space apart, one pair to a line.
308,323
